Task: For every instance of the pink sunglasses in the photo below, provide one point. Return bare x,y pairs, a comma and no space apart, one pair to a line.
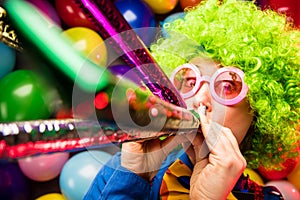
227,84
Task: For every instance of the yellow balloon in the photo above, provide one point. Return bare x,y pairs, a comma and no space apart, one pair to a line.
231,197
294,176
162,6
89,43
254,176
51,196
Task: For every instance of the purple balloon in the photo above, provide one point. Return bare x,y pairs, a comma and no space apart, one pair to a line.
13,184
126,72
46,8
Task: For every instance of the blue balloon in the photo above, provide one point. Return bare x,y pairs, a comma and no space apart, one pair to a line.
140,17
79,172
13,183
7,59
170,19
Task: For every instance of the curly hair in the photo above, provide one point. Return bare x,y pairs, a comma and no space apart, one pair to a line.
262,44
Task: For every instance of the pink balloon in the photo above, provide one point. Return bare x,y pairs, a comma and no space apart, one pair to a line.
43,167
288,190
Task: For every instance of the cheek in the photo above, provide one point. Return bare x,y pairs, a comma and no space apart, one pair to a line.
189,104
237,118
219,113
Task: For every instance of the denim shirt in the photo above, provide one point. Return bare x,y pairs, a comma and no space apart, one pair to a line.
116,182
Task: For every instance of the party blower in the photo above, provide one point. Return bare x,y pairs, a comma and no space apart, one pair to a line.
112,26
131,113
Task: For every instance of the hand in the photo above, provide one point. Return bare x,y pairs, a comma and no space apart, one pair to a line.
145,157
218,162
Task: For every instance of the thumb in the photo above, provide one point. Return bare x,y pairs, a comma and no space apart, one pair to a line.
169,143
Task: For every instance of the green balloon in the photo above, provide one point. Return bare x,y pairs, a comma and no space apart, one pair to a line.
23,96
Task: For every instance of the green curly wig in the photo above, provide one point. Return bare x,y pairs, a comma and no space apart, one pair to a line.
261,43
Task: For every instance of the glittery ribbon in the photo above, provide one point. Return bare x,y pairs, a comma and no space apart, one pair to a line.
26,138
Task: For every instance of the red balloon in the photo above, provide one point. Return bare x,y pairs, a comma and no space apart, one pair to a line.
272,174
188,3
287,7
297,15
71,14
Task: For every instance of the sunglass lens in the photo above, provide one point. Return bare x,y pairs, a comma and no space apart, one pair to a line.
228,85
185,80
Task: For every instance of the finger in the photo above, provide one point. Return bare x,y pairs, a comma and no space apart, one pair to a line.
205,123
228,134
212,135
229,141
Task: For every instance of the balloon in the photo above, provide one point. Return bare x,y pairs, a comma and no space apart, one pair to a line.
89,43
294,177
43,167
254,176
169,19
23,96
287,189
262,3
51,196
286,7
297,15
64,113
71,14
231,197
79,172
272,174
7,59
13,184
140,17
188,3
126,72
162,6
47,8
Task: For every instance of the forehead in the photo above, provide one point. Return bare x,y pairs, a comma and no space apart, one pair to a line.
206,66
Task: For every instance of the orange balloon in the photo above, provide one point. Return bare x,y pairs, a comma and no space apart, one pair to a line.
294,176
254,176
161,6
89,43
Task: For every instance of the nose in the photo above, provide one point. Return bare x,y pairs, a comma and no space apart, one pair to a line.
203,97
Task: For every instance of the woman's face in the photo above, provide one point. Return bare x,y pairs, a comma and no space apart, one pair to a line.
237,117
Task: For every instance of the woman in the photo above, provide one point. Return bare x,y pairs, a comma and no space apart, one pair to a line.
239,69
